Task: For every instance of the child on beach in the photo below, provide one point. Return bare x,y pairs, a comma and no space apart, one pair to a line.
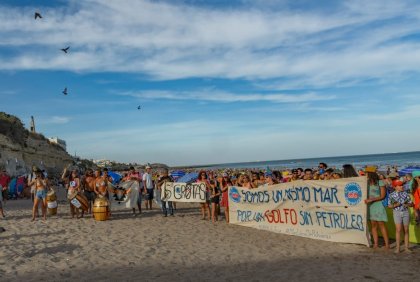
400,201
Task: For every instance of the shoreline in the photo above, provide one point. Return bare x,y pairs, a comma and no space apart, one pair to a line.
263,163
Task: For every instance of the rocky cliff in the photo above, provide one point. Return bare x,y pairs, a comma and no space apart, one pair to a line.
21,149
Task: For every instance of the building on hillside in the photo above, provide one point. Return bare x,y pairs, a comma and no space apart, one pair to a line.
59,142
102,163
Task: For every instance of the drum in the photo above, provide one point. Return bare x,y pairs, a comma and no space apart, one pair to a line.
52,202
79,201
101,209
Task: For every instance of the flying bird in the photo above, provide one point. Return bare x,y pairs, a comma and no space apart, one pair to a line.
65,49
65,91
38,15
139,107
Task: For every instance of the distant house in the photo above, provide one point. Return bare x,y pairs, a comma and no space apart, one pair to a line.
102,163
59,142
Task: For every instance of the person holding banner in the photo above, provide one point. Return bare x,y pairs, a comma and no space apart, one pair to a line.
246,182
205,209
377,213
166,205
224,183
415,188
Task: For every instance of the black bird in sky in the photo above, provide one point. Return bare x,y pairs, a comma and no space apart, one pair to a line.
38,15
65,49
139,107
65,91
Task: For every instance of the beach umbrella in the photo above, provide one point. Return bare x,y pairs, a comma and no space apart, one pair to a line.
188,178
177,174
407,170
115,177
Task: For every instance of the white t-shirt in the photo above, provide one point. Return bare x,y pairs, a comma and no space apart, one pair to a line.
148,178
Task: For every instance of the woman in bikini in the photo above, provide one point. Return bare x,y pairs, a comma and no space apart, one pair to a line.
74,188
41,187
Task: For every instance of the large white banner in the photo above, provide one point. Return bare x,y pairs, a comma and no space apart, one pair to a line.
184,192
332,210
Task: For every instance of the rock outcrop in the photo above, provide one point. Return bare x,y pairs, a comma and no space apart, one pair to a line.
21,149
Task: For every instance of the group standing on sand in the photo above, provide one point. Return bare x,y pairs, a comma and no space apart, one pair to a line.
385,190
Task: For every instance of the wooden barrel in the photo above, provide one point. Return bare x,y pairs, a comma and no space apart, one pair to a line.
101,209
52,203
84,204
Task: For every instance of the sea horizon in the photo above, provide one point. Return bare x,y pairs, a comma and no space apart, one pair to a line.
380,159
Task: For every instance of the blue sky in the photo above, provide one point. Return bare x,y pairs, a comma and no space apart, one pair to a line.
243,81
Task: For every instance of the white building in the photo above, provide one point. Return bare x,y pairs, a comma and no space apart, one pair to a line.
102,163
59,142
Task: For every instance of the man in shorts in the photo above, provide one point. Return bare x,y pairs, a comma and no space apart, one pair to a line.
89,188
148,187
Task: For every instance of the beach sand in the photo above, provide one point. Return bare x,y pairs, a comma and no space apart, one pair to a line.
180,248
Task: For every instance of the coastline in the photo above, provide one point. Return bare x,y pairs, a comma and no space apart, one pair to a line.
316,160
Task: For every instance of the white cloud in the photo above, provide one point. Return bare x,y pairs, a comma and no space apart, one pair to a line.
168,41
226,97
56,120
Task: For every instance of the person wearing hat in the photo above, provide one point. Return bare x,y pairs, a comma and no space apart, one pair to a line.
148,187
415,188
399,201
376,211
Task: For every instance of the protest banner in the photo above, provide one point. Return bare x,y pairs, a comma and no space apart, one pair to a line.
330,210
184,192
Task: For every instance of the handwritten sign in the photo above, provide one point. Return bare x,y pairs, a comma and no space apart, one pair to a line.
183,192
331,210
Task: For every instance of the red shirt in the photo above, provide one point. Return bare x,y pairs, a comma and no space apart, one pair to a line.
4,180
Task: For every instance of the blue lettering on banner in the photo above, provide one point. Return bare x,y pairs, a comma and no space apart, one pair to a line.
306,218
339,220
255,197
328,195
247,216
296,194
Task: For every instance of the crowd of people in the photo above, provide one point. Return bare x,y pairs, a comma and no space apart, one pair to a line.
385,190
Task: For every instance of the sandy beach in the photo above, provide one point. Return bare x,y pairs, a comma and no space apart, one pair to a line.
181,248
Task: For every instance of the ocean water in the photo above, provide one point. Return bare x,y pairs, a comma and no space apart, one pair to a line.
400,160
